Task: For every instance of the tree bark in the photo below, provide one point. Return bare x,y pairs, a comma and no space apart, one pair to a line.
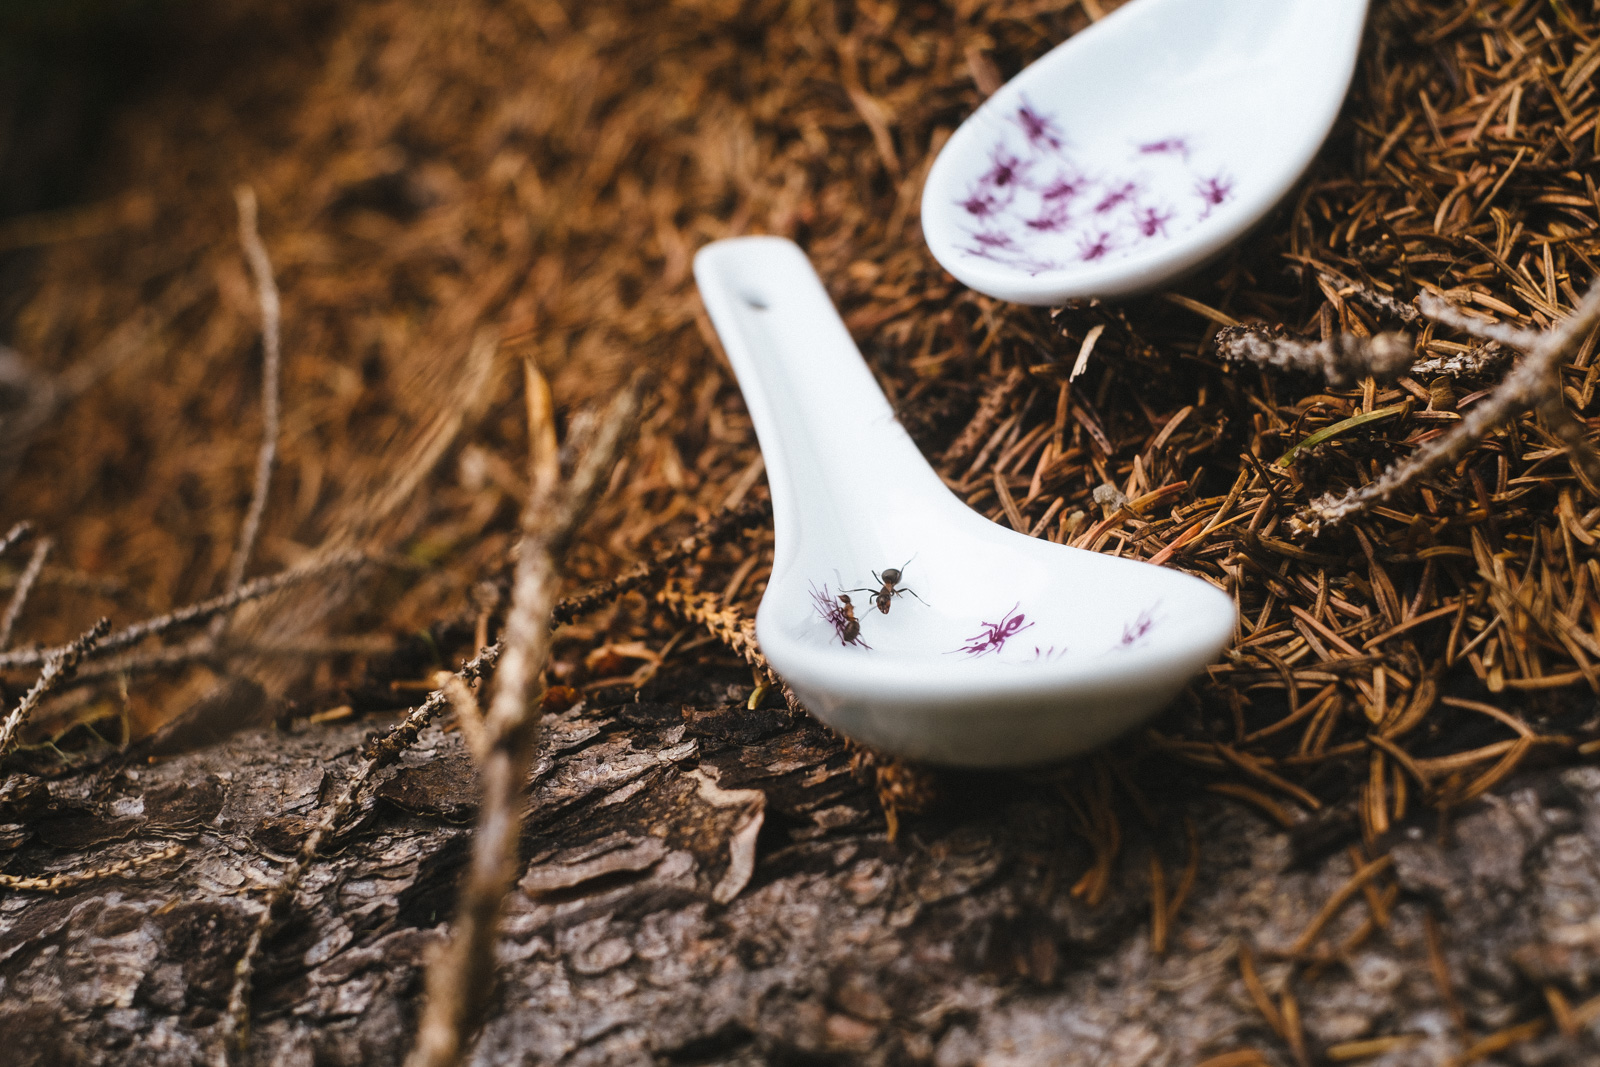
707,885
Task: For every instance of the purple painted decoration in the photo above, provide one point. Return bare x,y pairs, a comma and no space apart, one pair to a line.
1153,221
1039,128
994,635
1177,146
1042,206
1215,191
1136,631
1005,171
1097,247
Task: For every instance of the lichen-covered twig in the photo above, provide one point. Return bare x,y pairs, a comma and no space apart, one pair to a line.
267,292
19,595
735,629
713,531
1340,359
194,613
1383,304
1477,361
1447,314
1534,383
462,975
56,883
57,668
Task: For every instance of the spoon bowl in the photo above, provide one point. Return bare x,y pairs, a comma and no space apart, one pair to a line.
1139,148
998,648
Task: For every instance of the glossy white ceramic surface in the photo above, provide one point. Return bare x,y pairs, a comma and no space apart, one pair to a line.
1013,650
1139,148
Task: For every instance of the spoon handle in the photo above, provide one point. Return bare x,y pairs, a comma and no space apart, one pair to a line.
834,450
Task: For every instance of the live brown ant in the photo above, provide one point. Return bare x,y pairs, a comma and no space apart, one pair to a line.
888,582
851,630
841,616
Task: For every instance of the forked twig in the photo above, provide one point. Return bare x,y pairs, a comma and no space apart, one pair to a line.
271,376
57,668
200,612
462,975
17,532
19,595
1534,383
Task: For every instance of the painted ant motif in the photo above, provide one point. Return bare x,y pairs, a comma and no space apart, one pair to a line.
1151,190
1135,631
840,613
888,586
994,635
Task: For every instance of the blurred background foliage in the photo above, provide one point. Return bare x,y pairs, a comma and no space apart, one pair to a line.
63,63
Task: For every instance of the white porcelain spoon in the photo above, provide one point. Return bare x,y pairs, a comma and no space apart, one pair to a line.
1139,148
998,648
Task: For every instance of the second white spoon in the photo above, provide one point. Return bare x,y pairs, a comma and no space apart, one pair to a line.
1139,148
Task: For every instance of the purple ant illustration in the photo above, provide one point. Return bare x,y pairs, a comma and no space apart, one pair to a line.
1094,248
840,613
1153,221
1005,170
1053,220
1136,631
1214,191
1034,209
994,635
1064,188
981,204
1039,128
1117,197
1172,146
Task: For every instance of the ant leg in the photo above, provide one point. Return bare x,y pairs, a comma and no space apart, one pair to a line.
913,592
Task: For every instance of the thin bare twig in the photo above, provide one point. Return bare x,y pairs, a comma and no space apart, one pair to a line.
205,609
59,667
19,596
461,977
468,716
17,532
267,290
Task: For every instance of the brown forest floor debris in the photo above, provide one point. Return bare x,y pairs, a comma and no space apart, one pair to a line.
447,190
